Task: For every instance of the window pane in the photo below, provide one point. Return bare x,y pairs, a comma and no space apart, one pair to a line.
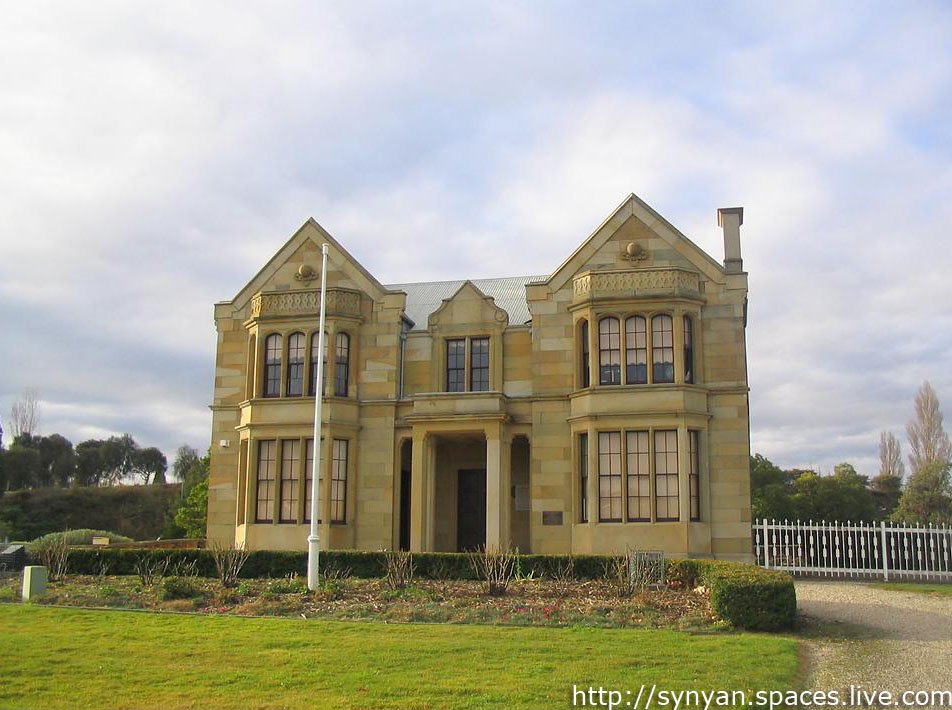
479,364
688,350
455,365
636,350
639,498
666,475
265,494
584,365
315,346
295,387
583,476
609,352
662,349
290,481
272,365
694,474
341,364
609,476
339,482
309,478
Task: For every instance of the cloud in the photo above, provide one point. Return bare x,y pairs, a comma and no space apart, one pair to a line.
154,161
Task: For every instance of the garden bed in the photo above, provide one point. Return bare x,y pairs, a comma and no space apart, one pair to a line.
593,603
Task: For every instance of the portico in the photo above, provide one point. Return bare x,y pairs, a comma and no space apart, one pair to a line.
451,465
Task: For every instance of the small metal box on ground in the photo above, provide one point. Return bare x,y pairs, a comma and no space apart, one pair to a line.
34,582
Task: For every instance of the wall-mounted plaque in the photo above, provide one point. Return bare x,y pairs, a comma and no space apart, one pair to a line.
551,517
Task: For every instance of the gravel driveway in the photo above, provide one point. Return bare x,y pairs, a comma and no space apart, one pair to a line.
882,640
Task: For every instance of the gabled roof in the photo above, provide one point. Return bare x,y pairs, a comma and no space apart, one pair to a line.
317,234
509,293
634,206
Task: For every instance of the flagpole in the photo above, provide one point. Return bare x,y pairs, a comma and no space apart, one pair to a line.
314,539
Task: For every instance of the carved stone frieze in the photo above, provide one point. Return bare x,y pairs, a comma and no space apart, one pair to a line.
290,303
637,282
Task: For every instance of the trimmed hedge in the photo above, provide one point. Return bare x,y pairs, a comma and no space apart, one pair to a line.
744,595
274,564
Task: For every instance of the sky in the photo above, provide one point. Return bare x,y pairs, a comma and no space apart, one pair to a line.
154,157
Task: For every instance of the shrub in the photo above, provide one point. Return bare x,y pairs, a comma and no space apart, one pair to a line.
744,595
228,563
78,537
496,567
179,588
53,553
399,568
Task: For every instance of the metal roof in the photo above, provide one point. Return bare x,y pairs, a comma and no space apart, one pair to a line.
509,293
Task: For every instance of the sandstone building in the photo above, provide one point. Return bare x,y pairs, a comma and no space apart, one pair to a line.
598,407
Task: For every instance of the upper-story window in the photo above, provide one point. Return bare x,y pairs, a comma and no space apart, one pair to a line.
584,365
455,365
295,375
479,364
341,364
662,348
467,364
315,353
649,350
609,352
688,350
272,366
636,351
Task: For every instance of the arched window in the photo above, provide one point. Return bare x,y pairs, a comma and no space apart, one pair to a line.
662,349
688,350
315,345
636,351
341,364
272,366
584,366
295,386
609,352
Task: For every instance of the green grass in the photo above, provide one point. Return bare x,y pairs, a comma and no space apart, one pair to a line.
943,589
56,657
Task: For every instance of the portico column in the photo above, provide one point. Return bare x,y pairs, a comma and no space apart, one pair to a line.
498,486
418,498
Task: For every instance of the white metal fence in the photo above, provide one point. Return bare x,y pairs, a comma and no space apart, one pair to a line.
887,550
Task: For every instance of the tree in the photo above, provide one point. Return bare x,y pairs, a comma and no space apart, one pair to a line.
22,467
770,489
193,515
886,490
928,441
25,414
89,464
842,496
890,456
149,464
117,454
928,496
185,458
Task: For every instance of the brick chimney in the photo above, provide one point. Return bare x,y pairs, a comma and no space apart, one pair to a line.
730,219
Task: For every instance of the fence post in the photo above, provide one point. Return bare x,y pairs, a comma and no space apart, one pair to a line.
766,546
885,555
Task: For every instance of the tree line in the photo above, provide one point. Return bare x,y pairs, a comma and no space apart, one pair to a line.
34,461
924,498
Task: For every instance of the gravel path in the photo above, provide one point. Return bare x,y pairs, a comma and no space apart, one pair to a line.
882,640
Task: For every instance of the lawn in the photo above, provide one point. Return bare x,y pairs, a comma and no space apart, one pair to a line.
918,588
55,657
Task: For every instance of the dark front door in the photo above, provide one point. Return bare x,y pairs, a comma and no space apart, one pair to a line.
471,509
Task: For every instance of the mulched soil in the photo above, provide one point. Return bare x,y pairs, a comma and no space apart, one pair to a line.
527,602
